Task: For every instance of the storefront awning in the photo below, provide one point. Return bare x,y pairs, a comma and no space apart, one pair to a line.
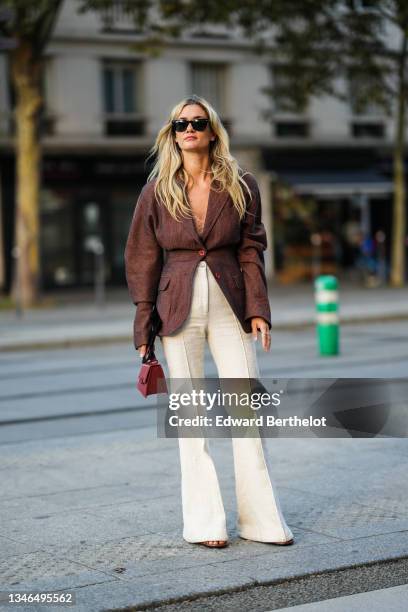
338,182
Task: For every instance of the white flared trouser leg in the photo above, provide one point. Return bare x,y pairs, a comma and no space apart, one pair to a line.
260,516
202,505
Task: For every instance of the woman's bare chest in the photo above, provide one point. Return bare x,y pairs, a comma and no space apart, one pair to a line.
198,198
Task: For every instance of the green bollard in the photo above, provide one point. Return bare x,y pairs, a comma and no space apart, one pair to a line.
326,297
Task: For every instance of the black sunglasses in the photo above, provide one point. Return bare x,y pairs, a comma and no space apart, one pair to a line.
180,125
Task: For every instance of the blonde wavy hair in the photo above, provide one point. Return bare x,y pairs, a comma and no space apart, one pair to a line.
172,178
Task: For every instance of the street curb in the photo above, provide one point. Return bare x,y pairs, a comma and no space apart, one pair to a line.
341,576
120,339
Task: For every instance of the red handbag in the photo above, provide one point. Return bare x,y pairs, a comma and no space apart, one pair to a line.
151,379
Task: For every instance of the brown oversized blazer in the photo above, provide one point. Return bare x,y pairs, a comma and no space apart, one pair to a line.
162,254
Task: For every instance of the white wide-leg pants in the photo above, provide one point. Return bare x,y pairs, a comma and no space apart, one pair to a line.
260,516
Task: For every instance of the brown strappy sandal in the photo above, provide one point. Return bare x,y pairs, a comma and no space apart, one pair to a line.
216,543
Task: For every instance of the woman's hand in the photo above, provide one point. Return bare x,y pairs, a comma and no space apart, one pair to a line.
258,323
142,350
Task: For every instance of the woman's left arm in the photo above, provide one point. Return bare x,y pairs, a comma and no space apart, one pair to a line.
251,257
143,264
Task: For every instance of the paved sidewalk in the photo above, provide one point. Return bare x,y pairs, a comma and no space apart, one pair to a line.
91,496
100,515
77,321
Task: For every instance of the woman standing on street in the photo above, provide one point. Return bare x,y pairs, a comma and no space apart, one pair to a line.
195,249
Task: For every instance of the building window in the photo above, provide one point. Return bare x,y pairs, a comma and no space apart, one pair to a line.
365,105
362,5
282,93
364,97
290,118
208,80
122,98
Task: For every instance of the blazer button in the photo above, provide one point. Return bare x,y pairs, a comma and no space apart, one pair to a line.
201,252
217,275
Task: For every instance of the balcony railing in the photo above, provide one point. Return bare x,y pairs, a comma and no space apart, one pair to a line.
124,124
291,126
368,126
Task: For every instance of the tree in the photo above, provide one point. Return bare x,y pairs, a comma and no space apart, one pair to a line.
27,26
30,24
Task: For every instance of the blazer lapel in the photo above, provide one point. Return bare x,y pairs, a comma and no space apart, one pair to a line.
216,202
188,222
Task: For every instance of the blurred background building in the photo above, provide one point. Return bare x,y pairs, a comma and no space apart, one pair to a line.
325,172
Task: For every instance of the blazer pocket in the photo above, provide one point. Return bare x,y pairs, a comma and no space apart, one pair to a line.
164,283
238,280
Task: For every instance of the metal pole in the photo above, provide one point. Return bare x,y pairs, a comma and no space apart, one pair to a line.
99,275
316,240
15,253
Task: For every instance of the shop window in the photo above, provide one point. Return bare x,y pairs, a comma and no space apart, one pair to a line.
123,205
57,238
305,230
